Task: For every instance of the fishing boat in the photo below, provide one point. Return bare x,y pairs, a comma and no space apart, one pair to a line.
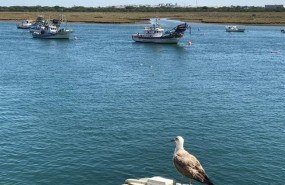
234,29
41,22
25,24
52,32
156,34
36,27
283,30
38,24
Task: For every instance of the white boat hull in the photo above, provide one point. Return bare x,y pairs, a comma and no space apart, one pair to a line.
24,26
160,40
58,35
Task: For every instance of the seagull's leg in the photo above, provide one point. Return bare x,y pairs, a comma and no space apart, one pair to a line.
190,182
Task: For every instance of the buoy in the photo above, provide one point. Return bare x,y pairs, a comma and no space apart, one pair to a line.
189,43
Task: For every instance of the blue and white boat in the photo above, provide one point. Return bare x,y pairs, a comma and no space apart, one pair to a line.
38,24
41,22
156,34
52,32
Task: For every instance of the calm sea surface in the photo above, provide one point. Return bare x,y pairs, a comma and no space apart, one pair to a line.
101,109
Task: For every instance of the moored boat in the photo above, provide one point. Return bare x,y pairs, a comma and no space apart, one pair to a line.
52,32
156,34
38,24
234,29
25,24
283,30
36,27
41,22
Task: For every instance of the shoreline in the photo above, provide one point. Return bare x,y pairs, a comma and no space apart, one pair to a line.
240,18
147,22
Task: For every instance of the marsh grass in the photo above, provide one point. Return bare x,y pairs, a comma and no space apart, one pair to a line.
269,18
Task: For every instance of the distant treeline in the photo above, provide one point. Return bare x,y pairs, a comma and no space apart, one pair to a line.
136,9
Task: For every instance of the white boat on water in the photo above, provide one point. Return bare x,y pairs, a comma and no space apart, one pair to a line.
157,180
52,32
234,29
25,24
156,34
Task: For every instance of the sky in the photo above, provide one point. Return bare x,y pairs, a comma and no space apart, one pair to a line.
96,3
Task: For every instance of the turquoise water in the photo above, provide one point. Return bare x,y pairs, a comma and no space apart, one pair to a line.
101,109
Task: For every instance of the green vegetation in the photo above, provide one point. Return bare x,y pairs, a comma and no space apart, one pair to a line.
226,15
136,9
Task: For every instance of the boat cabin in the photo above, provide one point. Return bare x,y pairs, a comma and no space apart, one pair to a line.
154,31
50,29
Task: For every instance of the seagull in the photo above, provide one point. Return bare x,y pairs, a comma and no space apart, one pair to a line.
187,165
